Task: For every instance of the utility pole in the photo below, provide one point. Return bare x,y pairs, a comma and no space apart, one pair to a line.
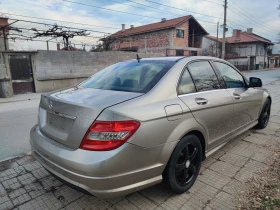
5,39
224,31
217,42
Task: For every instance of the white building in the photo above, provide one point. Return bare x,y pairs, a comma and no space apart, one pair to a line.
244,49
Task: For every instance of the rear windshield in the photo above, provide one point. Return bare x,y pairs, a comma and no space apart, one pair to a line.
131,76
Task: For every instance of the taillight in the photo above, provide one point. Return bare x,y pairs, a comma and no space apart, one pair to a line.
108,135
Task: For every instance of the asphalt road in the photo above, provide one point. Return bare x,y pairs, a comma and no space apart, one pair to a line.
266,76
17,118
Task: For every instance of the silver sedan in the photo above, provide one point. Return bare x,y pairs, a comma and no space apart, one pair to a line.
139,122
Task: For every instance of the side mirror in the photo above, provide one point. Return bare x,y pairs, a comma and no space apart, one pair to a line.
255,82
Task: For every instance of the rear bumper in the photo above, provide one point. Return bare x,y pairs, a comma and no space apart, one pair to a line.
104,174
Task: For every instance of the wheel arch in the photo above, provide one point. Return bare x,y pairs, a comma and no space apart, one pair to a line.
201,138
202,141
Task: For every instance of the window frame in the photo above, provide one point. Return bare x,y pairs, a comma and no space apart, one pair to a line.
234,68
180,78
183,33
185,68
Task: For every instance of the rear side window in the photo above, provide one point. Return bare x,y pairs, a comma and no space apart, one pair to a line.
186,84
204,76
231,77
129,76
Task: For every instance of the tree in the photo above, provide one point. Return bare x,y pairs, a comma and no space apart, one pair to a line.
211,48
58,31
97,48
107,42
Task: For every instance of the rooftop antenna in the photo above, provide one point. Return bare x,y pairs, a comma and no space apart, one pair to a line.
138,58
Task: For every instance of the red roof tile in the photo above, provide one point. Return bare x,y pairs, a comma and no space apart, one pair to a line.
214,38
245,37
153,27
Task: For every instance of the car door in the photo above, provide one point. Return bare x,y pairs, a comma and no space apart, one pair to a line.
211,105
247,101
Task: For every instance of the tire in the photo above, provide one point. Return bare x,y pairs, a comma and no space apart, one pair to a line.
265,114
182,169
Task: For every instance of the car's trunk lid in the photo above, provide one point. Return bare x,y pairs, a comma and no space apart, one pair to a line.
65,116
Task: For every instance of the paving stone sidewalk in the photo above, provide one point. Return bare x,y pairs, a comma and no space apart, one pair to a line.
24,184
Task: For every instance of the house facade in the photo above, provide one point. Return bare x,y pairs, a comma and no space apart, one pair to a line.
275,57
179,36
245,50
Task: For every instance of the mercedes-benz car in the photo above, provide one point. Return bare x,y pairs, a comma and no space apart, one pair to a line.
142,121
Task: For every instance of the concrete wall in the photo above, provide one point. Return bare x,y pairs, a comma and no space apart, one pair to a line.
6,89
58,69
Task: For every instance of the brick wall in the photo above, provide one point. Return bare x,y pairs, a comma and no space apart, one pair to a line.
146,42
182,42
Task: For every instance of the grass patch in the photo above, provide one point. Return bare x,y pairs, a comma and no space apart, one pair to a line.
264,189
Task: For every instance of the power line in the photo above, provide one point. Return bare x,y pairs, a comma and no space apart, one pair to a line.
54,24
155,9
62,21
251,20
30,29
179,9
133,13
213,2
236,24
246,14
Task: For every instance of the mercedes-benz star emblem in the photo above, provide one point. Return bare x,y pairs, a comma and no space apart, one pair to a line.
50,104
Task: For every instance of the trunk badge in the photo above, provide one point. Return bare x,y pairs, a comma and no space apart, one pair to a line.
50,104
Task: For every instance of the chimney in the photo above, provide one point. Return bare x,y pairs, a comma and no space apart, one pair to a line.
234,32
131,26
123,27
238,34
163,19
58,46
249,30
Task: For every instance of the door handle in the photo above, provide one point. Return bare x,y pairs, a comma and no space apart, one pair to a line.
236,96
201,101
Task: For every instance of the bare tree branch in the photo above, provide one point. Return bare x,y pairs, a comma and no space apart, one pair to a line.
58,31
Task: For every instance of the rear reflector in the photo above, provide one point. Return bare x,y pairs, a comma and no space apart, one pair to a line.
108,135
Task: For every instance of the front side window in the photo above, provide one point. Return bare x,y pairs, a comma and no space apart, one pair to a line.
179,33
186,84
204,76
129,76
231,77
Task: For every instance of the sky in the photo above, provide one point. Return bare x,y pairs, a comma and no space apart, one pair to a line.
103,17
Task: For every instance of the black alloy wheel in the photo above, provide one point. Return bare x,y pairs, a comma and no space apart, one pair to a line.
265,114
187,165
184,164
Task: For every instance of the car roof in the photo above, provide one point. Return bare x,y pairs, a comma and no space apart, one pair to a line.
177,58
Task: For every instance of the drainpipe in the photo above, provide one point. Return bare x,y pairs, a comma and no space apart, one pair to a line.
264,64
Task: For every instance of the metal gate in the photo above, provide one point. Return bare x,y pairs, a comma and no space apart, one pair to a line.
22,74
252,61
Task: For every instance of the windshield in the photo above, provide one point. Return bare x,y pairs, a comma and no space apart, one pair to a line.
129,76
